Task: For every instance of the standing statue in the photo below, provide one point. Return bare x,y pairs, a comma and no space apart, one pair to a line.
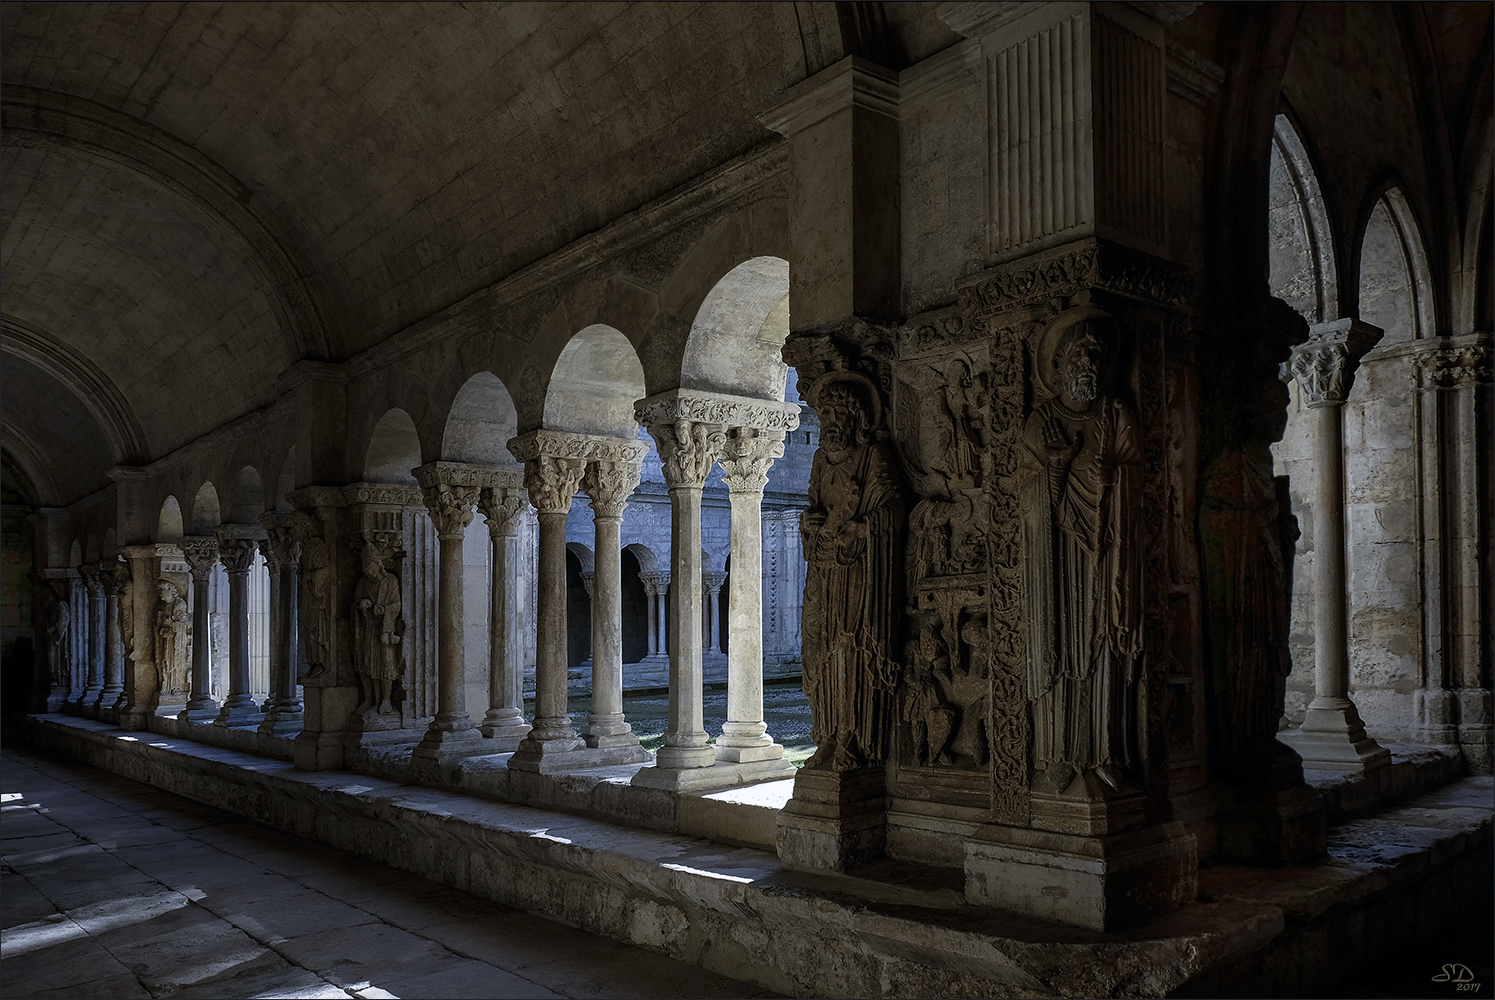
1246,526
1083,561
930,718
55,612
316,589
852,534
377,631
173,639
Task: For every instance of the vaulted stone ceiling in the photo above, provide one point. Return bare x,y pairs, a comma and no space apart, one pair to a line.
198,194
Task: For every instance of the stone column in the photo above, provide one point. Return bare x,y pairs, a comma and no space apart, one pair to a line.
282,551
711,590
611,477
502,507
111,581
201,554
661,608
237,547
1332,737
687,428
651,591
140,672
552,472
451,732
77,639
94,643
744,743
1471,376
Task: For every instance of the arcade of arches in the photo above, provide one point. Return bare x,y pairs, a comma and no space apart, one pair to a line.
1089,402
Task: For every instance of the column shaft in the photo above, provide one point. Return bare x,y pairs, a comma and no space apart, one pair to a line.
551,718
661,630
114,645
685,740
1331,666
201,706
452,673
744,726
505,717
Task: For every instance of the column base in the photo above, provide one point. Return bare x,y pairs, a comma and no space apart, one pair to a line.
239,713
712,778
1265,814
134,719
280,721
56,703
205,711
441,750
758,751
1333,738
552,745
1101,883
506,727
1475,730
88,705
735,773
318,751
835,819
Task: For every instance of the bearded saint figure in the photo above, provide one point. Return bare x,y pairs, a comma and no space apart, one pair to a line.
852,534
1083,569
377,631
173,639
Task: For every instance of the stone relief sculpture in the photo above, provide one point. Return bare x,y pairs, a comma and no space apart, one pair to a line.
173,639
378,630
853,588
316,588
930,717
1082,563
1247,528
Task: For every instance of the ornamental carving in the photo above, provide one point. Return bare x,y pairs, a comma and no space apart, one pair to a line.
1324,365
687,449
382,494
852,537
237,554
552,482
1452,367
1082,562
747,455
200,553
609,484
378,629
173,638
502,510
1061,273
450,508
713,408
281,547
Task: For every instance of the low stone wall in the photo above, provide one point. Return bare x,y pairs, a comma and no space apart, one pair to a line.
738,912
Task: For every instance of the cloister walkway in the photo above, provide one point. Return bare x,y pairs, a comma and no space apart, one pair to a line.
113,888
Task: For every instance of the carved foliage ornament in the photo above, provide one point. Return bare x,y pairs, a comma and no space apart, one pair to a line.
237,554
502,510
200,552
1450,367
1065,272
610,484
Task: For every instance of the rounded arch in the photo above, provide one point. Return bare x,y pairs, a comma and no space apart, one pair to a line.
595,382
169,521
91,548
247,501
1301,258
393,450
206,514
75,554
648,562
1395,282
584,556
736,339
480,423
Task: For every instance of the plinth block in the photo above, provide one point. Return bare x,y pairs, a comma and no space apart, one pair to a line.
836,819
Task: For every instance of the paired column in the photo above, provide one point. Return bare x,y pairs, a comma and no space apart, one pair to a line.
93,625
611,477
77,627
711,593
201,555
450,500
112,579
656,585
750,452
237,547
552,473
282,553
1332,737
502,508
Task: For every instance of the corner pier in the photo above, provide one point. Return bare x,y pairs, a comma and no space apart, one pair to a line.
899,930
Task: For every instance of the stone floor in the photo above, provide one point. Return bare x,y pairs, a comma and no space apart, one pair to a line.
112,888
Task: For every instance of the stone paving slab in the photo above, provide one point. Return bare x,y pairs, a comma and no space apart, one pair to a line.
737,911
105,894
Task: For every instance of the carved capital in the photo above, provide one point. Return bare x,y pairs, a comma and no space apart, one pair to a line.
747,455
1324,365
587,577
610,484
281,545
450,507
502,510
110,579
237,554
90,575
686,450
200,553
552,482
712,581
